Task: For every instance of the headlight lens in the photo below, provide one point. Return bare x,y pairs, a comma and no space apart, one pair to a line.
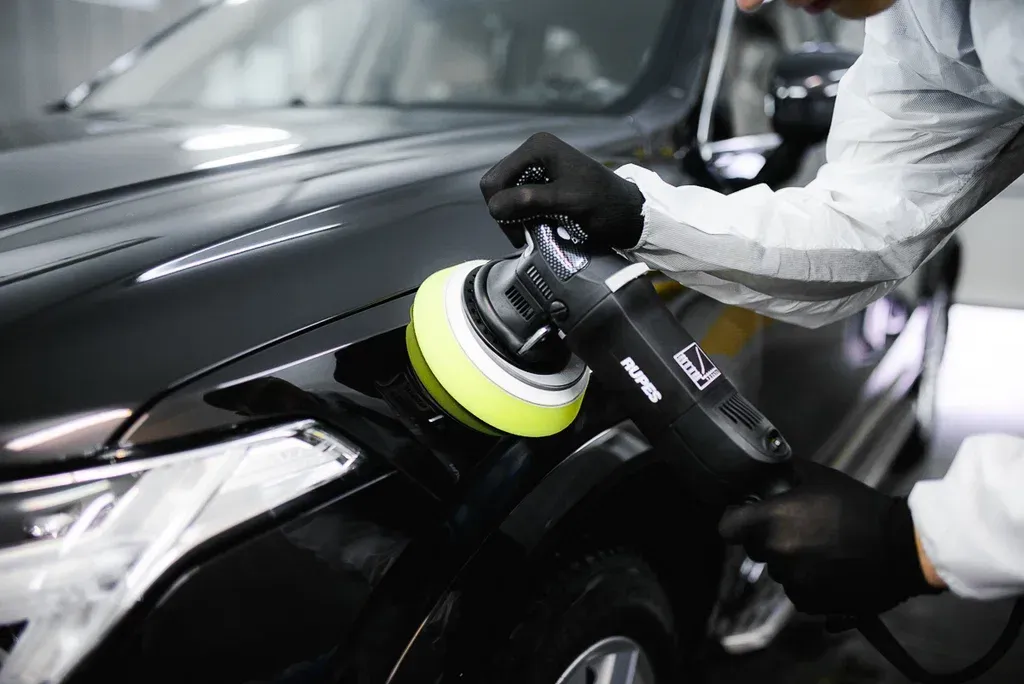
77,550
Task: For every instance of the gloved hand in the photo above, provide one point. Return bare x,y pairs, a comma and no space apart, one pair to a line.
837,546
605,206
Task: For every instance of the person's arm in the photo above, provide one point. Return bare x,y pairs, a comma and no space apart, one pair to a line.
971,522
918,142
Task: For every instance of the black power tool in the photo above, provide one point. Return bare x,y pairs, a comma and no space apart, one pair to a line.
507,347
540,323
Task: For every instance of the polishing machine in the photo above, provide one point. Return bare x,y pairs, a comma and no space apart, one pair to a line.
508,347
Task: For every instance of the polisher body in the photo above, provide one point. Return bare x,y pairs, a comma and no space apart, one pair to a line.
509,346
608,314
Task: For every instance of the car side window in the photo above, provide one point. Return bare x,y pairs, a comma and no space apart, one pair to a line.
499,56
444,66
273,53
296,57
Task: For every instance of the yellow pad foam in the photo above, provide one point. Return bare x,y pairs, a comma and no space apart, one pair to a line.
436,391
465,383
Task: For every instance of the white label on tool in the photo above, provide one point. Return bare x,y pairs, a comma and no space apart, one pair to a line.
697,365
640,378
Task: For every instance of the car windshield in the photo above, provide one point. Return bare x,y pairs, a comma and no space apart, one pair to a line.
574,54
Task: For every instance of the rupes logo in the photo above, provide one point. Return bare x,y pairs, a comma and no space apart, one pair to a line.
640,378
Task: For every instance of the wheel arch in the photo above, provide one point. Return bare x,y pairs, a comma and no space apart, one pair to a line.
612,491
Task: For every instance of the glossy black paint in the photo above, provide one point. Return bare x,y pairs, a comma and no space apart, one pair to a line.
400,211
386,585
272,608
311,326
343,374
474,515
44,162
613,491
92,201
444,552
418,575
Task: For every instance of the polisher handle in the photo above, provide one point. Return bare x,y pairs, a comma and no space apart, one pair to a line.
562,253
557,237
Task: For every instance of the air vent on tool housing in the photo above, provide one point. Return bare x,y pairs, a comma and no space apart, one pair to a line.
738,410
519,302
538,281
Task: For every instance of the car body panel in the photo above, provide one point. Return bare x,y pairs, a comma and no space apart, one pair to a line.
99,201
287,597
60,159
376,211
172,278
401,577
394,558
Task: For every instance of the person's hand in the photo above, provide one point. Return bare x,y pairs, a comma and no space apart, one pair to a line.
837,546
606,206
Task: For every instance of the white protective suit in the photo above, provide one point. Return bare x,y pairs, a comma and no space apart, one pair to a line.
926,130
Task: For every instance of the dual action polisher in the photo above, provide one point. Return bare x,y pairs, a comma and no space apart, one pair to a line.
508,347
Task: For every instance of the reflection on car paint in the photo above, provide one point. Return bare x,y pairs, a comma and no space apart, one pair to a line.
286,598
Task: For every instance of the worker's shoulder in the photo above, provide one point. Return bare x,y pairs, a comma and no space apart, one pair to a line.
925,45
963,47
927,28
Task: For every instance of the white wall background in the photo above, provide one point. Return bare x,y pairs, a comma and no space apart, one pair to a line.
993,243
47,47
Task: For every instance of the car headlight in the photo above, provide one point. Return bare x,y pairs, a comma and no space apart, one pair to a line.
78,549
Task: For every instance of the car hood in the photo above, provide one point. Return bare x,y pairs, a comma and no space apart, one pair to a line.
66,157
371,202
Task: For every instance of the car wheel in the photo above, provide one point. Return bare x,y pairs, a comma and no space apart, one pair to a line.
605,617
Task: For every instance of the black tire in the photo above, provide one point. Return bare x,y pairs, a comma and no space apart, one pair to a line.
612,593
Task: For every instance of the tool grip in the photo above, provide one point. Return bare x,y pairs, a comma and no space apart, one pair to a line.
560,252
558,238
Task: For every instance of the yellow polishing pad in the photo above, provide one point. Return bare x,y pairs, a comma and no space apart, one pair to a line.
462,389
434,388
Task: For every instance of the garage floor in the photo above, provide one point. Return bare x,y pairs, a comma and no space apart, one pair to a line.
981,389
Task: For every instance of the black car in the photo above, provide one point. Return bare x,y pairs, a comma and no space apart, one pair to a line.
215,465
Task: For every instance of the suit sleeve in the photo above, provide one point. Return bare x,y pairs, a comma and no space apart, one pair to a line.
971,522
919,142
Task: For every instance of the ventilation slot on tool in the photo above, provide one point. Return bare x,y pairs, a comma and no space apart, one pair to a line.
542,287
518,302
739,411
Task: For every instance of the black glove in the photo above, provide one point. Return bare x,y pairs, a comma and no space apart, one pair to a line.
605,206
837,546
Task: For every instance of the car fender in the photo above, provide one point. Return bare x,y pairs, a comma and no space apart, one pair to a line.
513,514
